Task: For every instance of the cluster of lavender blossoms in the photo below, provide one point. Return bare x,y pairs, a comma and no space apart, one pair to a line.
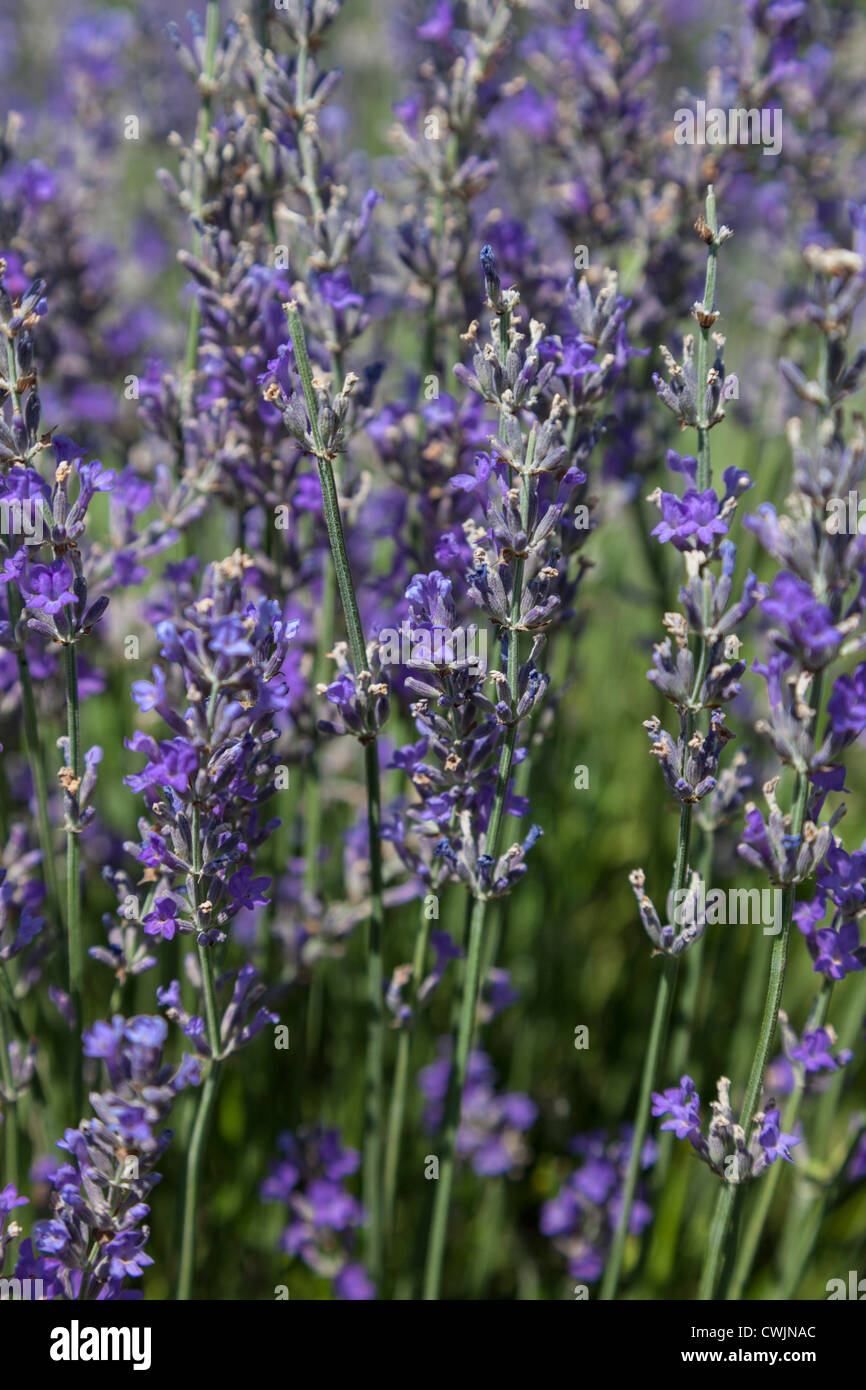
412,399
205,786
520,551
724,1148
492,1124
323,1217
581,1220
95,1240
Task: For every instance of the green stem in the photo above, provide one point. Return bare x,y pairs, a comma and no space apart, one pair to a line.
313,782
205,121
652,1058
207,1095
658,1033
10,1110
305,147
456,1083
491,1229
703,362
330,501
195,1152
401,1076
375,1052
683,1031
262,14
770,1181
312,800
812,1222
717,1249
73,850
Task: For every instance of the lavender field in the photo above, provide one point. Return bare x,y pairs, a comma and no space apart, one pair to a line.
432,650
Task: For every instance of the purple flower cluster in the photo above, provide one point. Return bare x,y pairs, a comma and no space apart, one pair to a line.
582,1217
724,1147
245,1014
94,1240
453,766
309,1179
204,785
492,1124
835,946
297,403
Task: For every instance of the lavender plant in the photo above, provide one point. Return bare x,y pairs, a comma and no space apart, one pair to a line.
361,309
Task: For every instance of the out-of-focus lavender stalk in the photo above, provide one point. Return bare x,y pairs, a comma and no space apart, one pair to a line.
457,1080
375,1056
801,1243
32,740
35,756
68,635
810,1224
10,1115
205,118
73,855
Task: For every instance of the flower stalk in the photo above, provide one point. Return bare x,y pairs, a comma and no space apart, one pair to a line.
375,1053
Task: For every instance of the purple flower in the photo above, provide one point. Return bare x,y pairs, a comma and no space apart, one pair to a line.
162,921
837,953
774,1142
171,764
491,1123
583,1215
813,1051
846,706
842,877
126,1255
692,518
682,1103
95,1240
354,1283
49,587
806,628
9,1199
323,1216
246,890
